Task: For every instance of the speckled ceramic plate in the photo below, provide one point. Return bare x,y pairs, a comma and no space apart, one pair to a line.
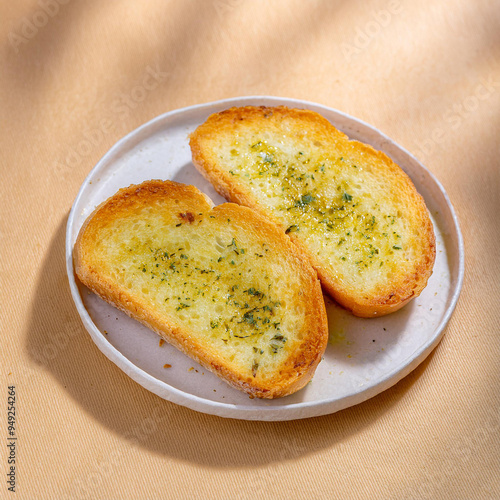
364,356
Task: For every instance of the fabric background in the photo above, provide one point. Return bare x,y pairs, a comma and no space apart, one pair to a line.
426,73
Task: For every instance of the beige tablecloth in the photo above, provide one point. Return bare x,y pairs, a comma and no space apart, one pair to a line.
76,76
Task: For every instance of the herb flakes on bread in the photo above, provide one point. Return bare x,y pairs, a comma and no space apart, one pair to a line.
222,284
349,208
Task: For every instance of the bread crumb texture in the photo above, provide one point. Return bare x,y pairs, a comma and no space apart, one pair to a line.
353,211
219,283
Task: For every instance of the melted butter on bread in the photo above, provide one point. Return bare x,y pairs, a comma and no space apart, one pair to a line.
222,284
351,210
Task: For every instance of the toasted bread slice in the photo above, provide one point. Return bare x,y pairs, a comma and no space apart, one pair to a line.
222,284
349,208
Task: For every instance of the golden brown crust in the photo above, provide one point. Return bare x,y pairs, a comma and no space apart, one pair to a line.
391,296
297,369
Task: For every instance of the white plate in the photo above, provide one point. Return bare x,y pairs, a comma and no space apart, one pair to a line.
364,356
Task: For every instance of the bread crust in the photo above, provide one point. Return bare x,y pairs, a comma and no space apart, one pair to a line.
391,296
296,370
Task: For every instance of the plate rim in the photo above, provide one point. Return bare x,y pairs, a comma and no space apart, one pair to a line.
240,411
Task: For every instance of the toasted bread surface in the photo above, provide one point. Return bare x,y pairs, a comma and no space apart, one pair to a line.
354,213
221,283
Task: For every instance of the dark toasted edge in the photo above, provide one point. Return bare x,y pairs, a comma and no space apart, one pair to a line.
381,305
297,370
